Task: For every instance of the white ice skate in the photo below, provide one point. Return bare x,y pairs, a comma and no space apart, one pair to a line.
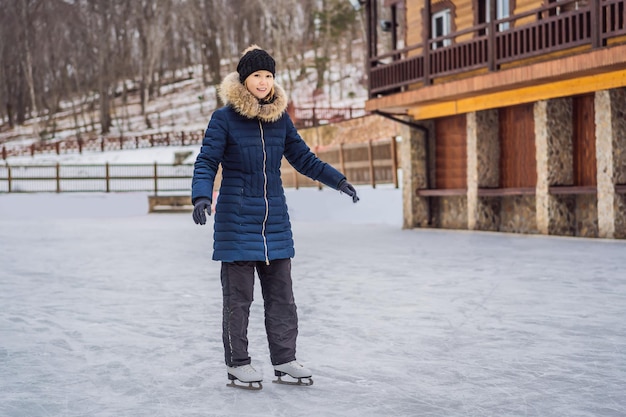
295,370
246,374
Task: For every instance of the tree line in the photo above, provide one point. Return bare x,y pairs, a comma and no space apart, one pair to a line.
77,56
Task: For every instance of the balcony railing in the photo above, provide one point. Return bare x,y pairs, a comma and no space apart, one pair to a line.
564,26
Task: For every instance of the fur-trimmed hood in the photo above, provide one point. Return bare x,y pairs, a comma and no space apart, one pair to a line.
236,95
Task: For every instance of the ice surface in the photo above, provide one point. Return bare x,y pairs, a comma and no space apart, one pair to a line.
108,311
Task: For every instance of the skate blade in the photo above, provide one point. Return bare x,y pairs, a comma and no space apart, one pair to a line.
250,387
305,382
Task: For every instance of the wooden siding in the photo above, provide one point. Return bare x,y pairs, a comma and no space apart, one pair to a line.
414,22
463,13
585,167
451,152
518,166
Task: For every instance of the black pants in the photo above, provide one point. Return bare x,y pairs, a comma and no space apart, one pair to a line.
281,319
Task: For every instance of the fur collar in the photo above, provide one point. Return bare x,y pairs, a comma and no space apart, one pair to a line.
236,95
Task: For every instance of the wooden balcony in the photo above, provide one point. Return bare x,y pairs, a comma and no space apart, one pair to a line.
549,33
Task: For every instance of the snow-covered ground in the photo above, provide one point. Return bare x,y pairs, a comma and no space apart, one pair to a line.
106,310
186,105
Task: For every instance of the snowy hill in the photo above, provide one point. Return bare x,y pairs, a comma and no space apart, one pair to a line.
185,104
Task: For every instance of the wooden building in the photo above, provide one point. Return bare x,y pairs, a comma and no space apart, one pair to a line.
514,111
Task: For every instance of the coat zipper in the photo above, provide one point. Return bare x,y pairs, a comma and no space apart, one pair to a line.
267,208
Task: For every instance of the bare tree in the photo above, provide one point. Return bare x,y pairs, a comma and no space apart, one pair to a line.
88,52
150,19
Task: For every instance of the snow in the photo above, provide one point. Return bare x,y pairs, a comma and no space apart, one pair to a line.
109,311
164,155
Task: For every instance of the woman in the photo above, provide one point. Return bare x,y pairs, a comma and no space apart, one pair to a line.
249,137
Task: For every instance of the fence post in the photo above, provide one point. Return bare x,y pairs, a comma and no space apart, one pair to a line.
182,138
121,142
4,153
394,162
107,177
57,147
58,169
370,156
156,179
32,149
342,161
596,24
316,151
80,145
9,177
102,144
136,142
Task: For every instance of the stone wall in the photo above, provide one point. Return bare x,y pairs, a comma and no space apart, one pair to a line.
450,212
618,120
518,214
556,214
483,170
488,214
587,216
488,148
416,209
560,147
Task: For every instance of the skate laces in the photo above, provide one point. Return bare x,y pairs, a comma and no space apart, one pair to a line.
248,369
294,364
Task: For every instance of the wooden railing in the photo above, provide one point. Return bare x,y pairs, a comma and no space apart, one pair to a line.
315,116
303,117
558,27
103,144
374,162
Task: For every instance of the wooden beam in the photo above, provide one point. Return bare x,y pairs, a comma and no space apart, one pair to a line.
522,95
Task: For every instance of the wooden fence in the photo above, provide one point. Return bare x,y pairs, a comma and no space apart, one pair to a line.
374,162
302,117
103,144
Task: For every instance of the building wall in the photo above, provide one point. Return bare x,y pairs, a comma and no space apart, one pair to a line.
576,213
463,15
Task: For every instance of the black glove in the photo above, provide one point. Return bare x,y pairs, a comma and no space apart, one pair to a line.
199,207
345,187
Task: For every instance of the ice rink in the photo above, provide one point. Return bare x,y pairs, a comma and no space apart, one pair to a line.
108,311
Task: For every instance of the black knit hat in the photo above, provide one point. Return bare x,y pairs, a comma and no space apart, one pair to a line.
255,59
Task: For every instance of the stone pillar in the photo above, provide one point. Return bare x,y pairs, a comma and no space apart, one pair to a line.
483,169
472,171
604,157
618,122
541,145
414,176
556,214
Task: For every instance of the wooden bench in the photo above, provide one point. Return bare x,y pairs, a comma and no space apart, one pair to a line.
169,203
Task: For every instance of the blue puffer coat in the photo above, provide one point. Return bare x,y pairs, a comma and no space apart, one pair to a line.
249,140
